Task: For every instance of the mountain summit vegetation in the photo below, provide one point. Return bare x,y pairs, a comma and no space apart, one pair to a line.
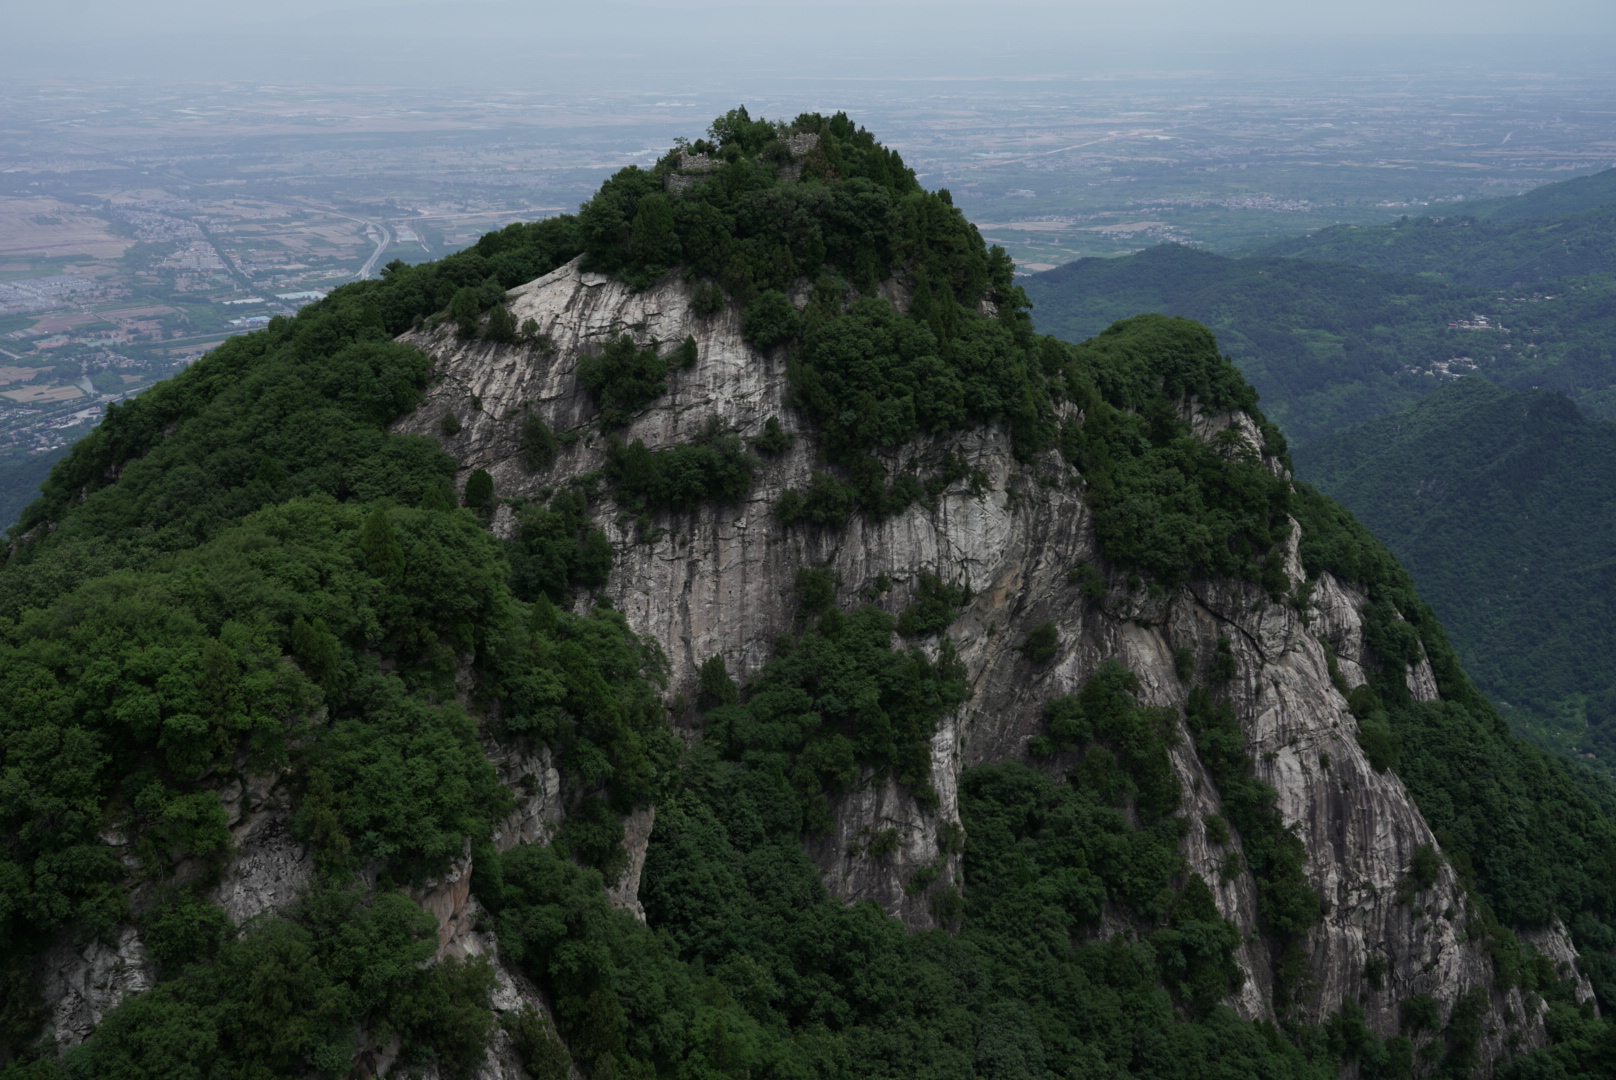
244,576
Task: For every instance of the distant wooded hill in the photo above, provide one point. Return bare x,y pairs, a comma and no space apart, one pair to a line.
1328,345
1552,200
1556,231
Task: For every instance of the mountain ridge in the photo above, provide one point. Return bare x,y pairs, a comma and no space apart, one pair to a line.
1507,253
1552,200
1001,607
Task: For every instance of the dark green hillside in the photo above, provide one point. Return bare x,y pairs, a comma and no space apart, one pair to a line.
1468,251
1499,503
242,571
1330,345
1555,200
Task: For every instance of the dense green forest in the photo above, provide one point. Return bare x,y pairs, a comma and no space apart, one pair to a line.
243,571
1329,345
1488,497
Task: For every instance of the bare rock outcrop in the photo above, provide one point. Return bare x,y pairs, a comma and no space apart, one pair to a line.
718,580
81,983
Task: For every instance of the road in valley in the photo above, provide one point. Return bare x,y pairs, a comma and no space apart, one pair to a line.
381,240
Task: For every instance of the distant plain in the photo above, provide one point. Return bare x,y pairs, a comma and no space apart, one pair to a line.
178,213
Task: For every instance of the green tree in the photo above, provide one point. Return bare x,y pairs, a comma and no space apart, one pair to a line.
539,444
479,493
770,320
714,684
652,241
1041,644
623,378
501,325
708,299
466,309
383,555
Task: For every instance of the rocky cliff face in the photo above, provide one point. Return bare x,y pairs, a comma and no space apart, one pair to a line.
718,580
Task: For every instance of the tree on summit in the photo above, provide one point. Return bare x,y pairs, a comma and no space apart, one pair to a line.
651,239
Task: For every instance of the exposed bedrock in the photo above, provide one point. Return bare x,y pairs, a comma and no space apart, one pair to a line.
719,580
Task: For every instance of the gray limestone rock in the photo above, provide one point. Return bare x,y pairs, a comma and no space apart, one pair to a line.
532,775
269,871
718,580
82,983
625,892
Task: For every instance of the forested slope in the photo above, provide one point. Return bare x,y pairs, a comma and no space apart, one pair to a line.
1509,552
246,580
1492,500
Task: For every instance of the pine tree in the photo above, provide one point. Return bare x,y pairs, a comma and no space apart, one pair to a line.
383,555
652,242
479,494
538,442
316,649
436,499
714,686
501,325
465,309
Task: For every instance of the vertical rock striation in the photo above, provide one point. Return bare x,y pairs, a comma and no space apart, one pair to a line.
718,580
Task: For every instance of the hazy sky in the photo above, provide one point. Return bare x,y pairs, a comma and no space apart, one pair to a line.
540,40
99,18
